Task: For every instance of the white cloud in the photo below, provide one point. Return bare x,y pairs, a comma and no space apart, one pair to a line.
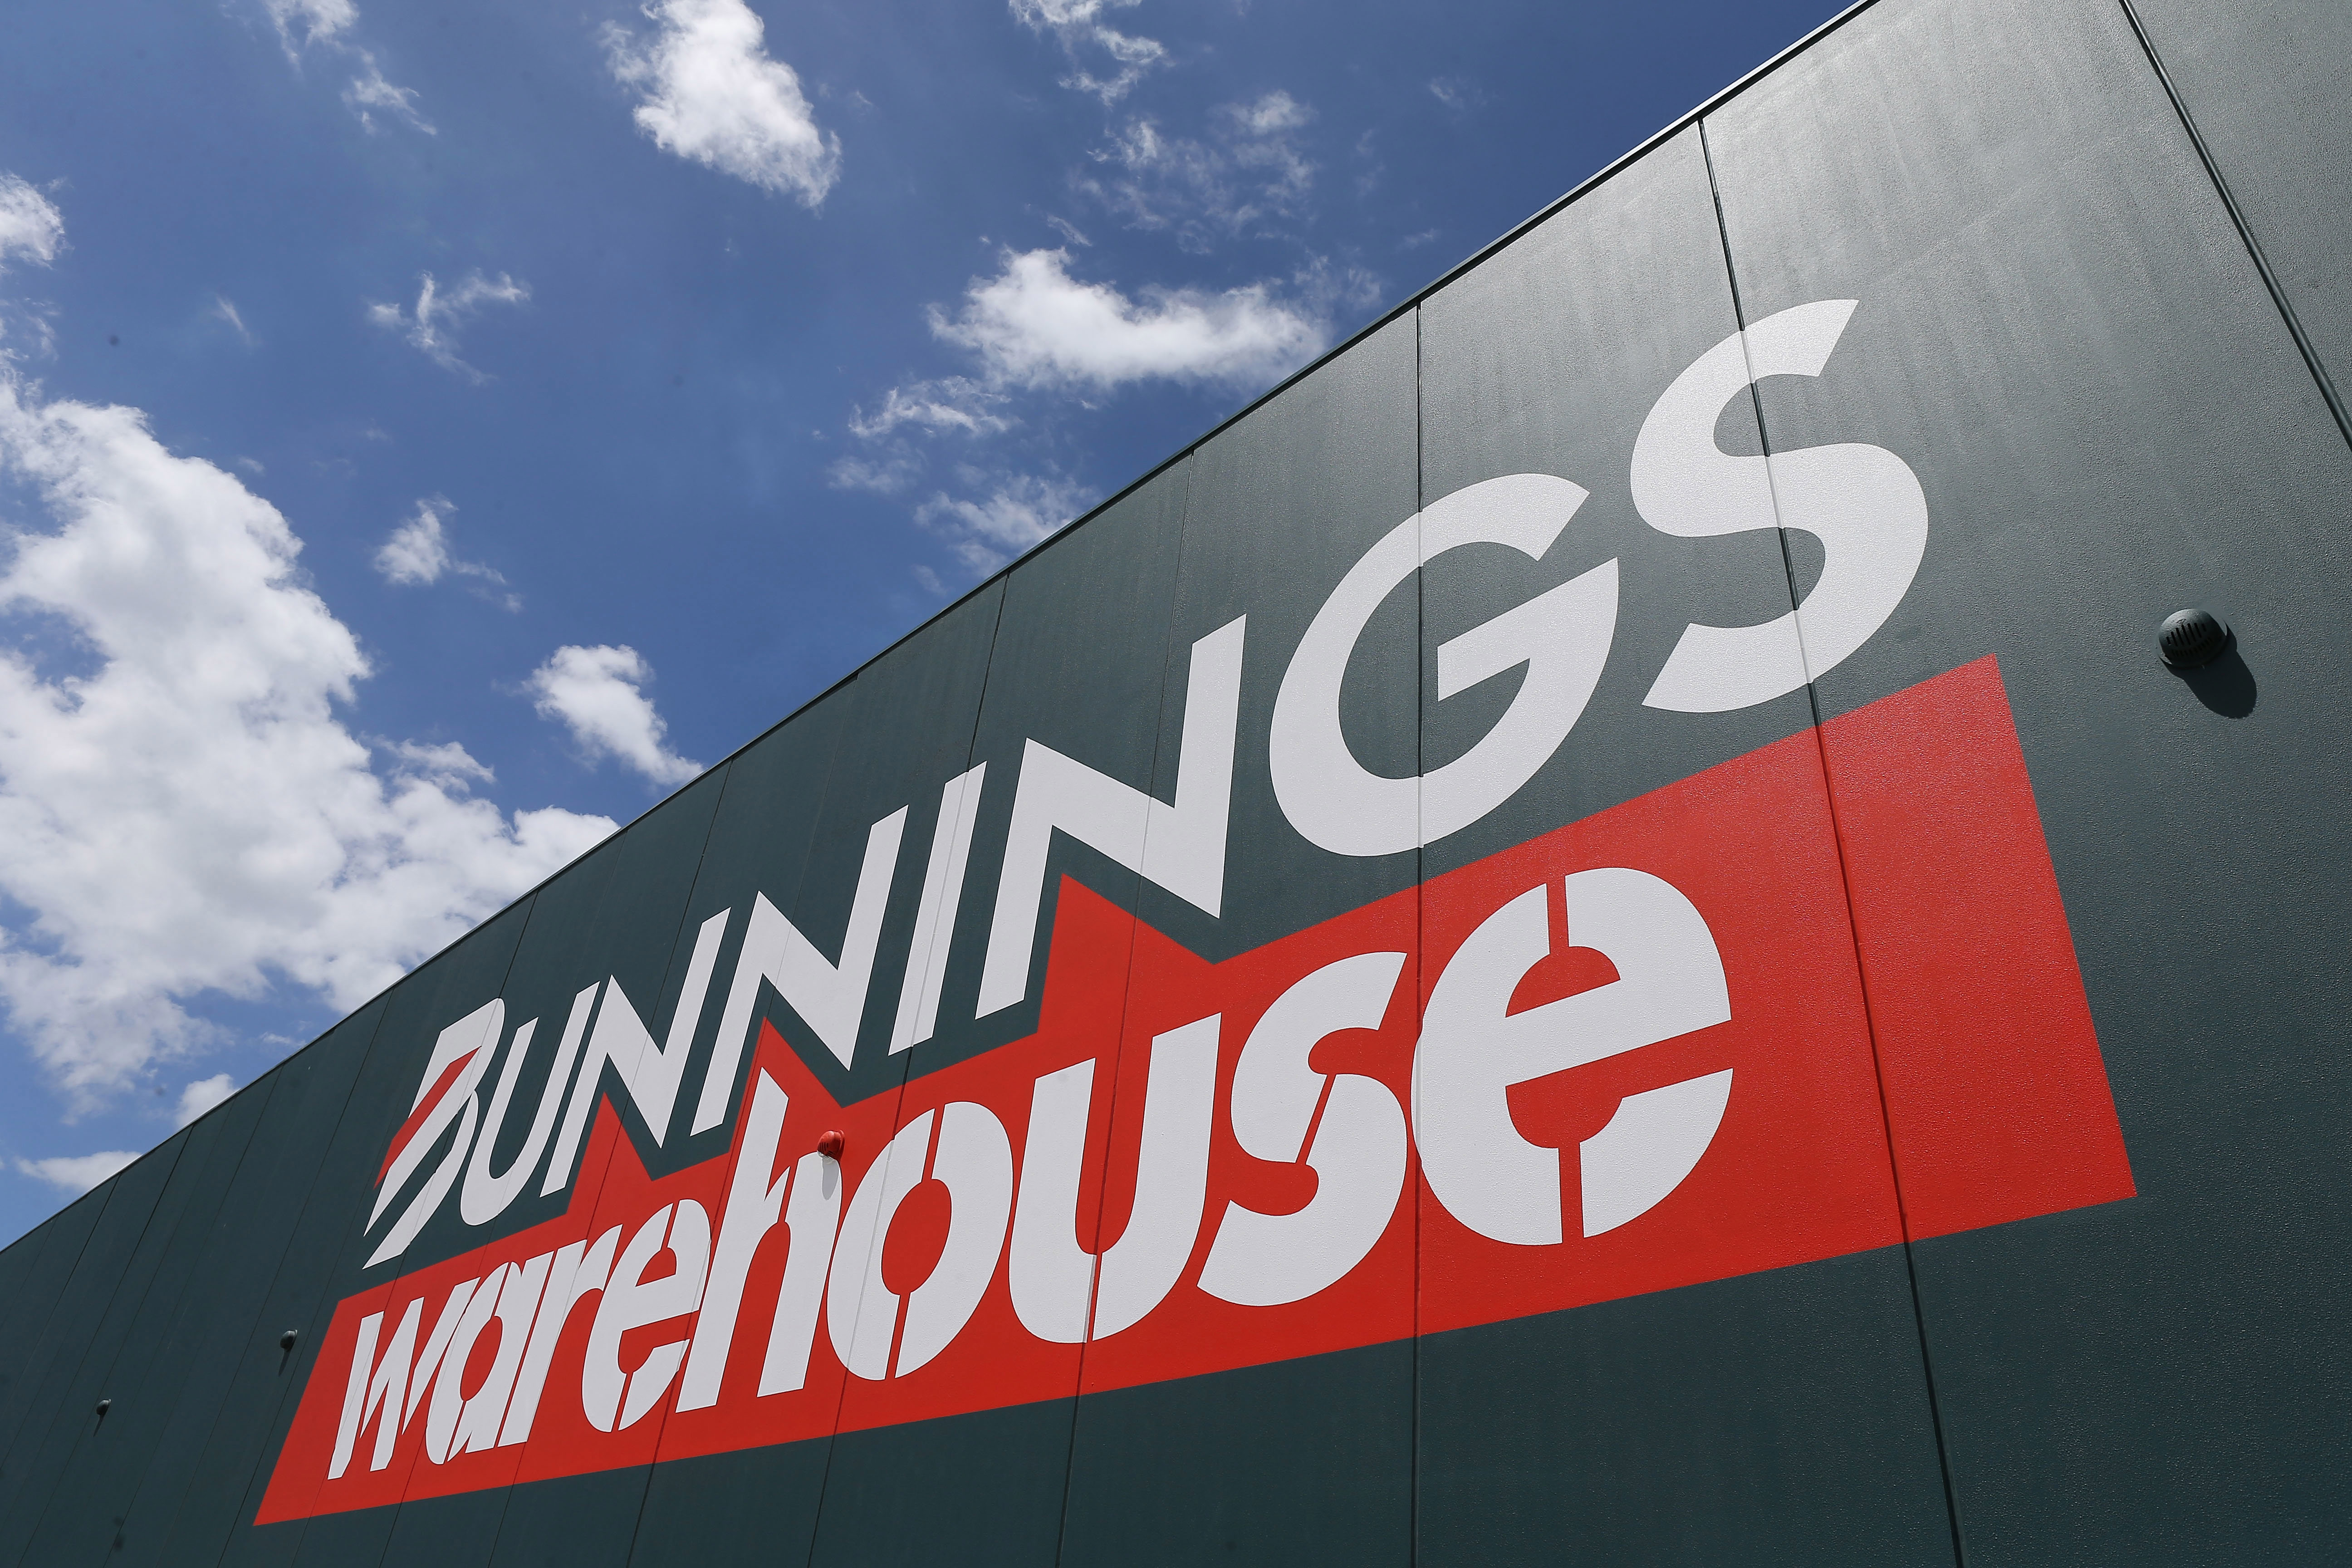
77,1173
889,473
328,24
595,693
224,311
182,811
1033,324
1459,93
448,765
1247,173
202,1095
1017,510
712,94
30,225
418,549
318,21
432,326
1079,27
1034,328
418,553
369,92
955,402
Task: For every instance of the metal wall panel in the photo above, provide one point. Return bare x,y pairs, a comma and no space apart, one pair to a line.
141,1374
54,1444
195,1521
1300,485
306,1097
631,933
49,1257
2263,80
1782,1416
2061,335
414,1014
1076,662
119,1257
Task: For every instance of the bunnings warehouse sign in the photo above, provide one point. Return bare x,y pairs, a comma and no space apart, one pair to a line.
1595,933
1695,1035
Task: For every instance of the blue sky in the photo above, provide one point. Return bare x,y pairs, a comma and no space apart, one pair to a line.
429,431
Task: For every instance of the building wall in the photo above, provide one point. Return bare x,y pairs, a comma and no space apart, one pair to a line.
1966,1181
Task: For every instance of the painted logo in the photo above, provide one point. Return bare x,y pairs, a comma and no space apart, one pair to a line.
1650,1048
1716,1029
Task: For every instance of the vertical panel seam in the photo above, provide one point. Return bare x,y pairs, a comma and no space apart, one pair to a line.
685,916
2277,290
1846,879
407,1263
1420,935
309,1193
906,1075
81,1361
1126,995
173,1319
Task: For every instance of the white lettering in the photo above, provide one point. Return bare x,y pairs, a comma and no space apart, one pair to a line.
448,1385
476,1427
974,1162
468,1040
1181,847
1669,983
927,957
649,1072
1864,504
632,1301
829,997
1051,1273
1562,636
375,1390
485,1196
754,1203
1358,1154
579,1271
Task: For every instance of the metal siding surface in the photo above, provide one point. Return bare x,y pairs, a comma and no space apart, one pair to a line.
1281,505
907,707
1783,1416
2265,80
118,1260
2061,334
305,1100
414,1013
51,1440
761,818
58,1245
143,1373
1075,662
1546,360
1079,663
633,934
1712,1423
757,846
983,1491
196,1522
730,1507
1303,1461
1283,502
912,718
916,712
